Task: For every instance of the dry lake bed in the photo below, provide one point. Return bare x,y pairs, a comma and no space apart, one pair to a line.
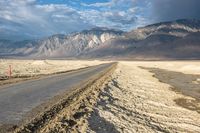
139,96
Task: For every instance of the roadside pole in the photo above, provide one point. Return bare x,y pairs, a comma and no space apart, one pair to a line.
10,71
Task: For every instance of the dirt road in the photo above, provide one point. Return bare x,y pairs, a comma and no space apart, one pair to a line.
18,99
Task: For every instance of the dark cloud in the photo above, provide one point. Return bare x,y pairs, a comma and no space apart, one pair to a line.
122,18
166,10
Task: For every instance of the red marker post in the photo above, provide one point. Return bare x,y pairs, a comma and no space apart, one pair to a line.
10,71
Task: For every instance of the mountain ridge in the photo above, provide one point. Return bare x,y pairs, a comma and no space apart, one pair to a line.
144,42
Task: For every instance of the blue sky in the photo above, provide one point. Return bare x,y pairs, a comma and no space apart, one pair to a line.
39,18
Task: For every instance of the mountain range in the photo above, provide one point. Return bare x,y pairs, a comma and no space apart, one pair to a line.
178,39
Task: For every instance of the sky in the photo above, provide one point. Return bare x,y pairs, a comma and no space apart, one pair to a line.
22,19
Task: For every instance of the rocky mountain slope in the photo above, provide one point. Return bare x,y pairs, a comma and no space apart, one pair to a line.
60,45
178,28
74,44
167,40
21,48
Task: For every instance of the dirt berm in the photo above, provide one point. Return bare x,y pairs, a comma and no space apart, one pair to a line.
69,107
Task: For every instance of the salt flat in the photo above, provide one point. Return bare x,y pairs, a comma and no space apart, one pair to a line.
32,69
141,96
134,100
37,67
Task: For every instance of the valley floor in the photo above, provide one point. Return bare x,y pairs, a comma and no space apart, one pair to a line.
139,97
28,69
38,67
135,101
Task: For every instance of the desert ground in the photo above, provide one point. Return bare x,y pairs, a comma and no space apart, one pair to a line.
134,100
140,96
29,69
37,67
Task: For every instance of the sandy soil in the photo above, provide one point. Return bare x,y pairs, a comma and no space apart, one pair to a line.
66,111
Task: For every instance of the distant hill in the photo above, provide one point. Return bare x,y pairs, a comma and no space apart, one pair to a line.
168,40
59,46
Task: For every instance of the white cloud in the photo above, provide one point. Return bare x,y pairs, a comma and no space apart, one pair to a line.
122,14
111,3
29,17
